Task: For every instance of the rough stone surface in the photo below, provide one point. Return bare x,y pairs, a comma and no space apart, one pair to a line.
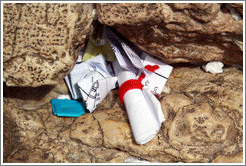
238,7
204,123
179,32
237,158
41,41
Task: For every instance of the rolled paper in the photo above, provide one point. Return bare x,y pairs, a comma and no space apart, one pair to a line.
145,121
155,104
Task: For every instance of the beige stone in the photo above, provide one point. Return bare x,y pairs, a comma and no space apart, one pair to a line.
41,41
179,32
87,130
237,158
200,126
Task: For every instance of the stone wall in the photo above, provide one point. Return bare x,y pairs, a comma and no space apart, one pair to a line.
204,112
204,121
180,32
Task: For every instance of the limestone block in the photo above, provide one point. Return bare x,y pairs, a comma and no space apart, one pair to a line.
41,41
179,32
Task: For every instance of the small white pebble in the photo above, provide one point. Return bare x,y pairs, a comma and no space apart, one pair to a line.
64,97
213,67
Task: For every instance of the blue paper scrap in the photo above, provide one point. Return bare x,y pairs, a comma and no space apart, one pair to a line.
68,108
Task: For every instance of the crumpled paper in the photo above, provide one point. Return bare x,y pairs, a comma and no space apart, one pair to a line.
91,81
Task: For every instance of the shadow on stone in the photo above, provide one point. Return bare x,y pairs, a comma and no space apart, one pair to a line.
26,93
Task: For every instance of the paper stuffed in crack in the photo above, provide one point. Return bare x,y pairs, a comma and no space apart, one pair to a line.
91,81
96,85
143,109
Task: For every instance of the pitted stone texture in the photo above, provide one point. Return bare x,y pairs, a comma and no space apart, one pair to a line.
87,130
179,32
40,137
41,41
237,158
204,123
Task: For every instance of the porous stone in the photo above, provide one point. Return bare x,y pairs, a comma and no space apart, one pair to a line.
237,158
41,41
180,32
204,123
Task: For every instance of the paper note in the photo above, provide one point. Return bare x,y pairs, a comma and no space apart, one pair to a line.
119,52
97,83
93,50
95,92
214,67
156,80
78,72
98,44
132,55
82,69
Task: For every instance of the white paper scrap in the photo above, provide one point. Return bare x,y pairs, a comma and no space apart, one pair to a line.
63,96
213,67
80,56
85,84
120,53
97,83
81,69
99,91
156,80
134,58
78,72
155,104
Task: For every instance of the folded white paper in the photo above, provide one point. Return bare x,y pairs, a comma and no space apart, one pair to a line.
155,80
94,88
97,83
119,52
144,112
134,58
155,105
78,72
63,96
91,81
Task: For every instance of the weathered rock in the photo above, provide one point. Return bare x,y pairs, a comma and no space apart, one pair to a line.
87,130
39,136
41,41
237,158
204,122
179,32
238,7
